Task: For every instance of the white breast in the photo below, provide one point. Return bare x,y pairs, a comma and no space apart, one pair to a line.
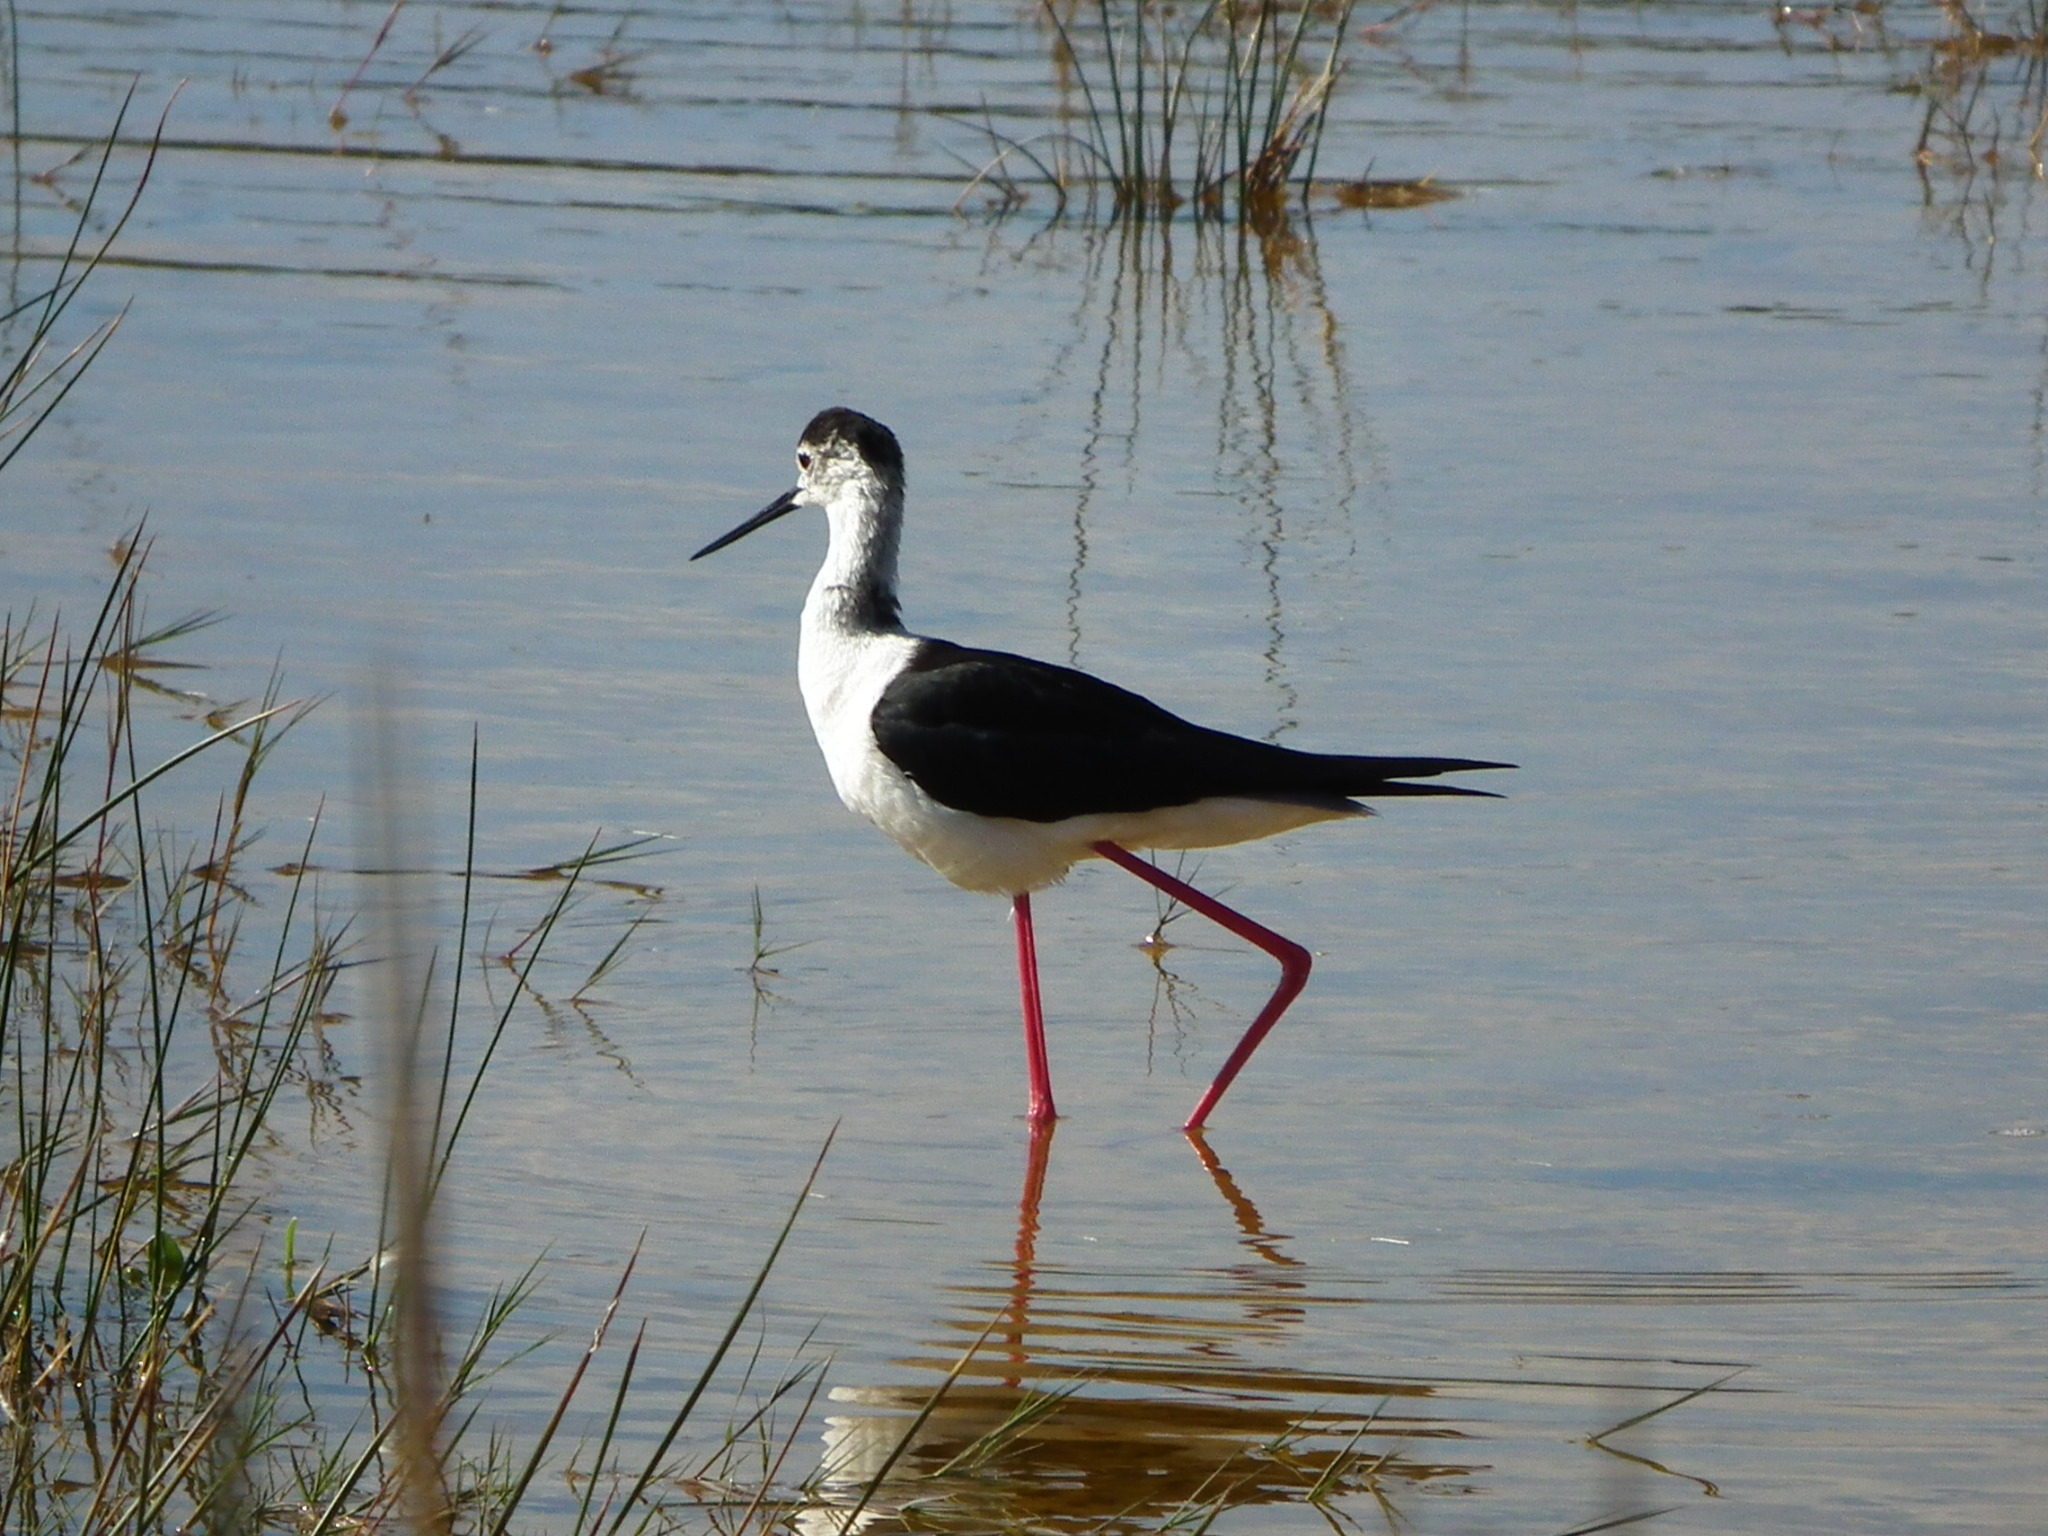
842,676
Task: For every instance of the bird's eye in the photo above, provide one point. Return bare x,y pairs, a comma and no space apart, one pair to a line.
803,461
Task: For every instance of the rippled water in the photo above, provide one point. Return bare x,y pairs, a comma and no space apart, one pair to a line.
1691,456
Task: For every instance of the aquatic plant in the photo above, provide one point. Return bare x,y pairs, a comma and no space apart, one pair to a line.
157,1029
1218,107
34,375
1984,91
140,1073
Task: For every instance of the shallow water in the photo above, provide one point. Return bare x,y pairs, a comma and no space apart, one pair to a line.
1692,457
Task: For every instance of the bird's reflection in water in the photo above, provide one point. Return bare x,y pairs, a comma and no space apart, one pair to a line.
1114,1402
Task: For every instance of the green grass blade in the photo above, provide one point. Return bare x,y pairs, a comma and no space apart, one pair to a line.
653,1467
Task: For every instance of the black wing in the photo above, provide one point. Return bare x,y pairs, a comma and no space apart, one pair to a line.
1002,735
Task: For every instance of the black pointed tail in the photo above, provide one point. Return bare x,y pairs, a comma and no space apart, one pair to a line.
1370,778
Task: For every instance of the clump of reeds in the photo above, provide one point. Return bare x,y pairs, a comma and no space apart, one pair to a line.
141,1059
1218,106
157,1028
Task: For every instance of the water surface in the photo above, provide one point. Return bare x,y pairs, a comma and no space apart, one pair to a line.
1690,457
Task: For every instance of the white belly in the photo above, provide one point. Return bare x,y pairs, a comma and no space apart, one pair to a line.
1005,856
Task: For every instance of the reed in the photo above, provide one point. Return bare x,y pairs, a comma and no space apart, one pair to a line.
1217,107
38,367
1985,93
141,1063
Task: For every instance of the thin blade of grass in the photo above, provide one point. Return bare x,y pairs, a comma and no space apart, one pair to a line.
653,1467
611,1429
547,1434
1616,1522
176,760
60,295
1677,1402
909,1435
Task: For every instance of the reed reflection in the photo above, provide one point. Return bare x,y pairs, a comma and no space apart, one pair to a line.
1983,96
1117,1401
1177,320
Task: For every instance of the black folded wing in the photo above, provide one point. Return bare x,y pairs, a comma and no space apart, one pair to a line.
1002,735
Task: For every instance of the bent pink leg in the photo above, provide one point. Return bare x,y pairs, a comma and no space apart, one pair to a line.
1294,964
1041,1110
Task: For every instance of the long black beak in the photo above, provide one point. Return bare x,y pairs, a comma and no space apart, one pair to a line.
781,506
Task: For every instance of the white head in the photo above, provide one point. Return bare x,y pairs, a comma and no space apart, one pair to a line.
849,466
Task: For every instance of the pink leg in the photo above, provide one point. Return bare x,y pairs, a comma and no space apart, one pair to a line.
1041,1111
1294,964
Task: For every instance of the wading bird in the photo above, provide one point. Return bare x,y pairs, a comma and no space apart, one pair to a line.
1002,773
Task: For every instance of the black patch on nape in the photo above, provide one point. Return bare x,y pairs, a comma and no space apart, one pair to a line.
874,607
876,443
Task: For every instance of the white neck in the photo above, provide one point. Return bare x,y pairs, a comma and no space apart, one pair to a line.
853,642
855,590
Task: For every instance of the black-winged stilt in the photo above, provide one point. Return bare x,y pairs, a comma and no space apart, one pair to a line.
1001,772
